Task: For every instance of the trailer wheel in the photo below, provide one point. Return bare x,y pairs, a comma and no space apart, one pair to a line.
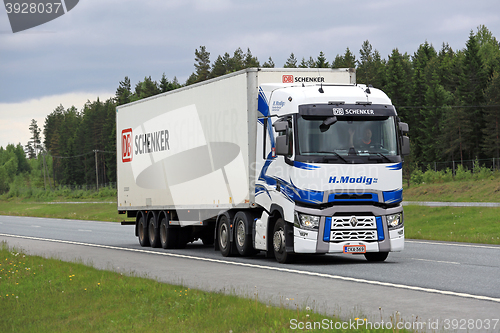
143,232
223,236
167,235
243,238
153,232
376,256
279,245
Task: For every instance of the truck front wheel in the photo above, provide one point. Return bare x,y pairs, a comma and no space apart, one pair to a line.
279,244
143,232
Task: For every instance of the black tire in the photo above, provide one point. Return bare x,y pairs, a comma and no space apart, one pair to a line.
242,238
142,229
223,236
153,232
168,236
279,245
376,256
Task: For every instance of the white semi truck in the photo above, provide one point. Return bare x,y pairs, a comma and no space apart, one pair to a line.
285,161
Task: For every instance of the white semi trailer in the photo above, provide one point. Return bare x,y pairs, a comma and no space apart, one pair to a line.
285,161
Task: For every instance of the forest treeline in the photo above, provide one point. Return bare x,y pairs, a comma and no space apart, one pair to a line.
450,99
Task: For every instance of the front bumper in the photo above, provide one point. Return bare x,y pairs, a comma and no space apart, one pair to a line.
329,239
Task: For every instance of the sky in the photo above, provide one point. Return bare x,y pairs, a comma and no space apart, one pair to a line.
85,53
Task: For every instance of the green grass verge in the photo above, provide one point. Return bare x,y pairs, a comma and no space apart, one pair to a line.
456,224
102,211
458,191
47,295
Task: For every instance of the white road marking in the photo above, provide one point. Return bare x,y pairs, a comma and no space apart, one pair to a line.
455,244
36,226
440,261
85,230
335,277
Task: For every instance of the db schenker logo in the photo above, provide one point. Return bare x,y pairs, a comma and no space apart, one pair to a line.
287,78
127,145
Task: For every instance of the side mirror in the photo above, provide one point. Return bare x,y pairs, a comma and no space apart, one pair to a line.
405,149
283,140
282,145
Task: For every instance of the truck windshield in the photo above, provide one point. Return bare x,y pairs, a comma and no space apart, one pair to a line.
373,137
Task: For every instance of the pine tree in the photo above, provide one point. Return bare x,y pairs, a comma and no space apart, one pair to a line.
202,64
304,63
249,60
146,88
473,81
489,50
34,144
491,131
321,61
123,92
235,63
398,82
420,84
435,102
448,68
291,62
269,63
165,85
371,68
218,67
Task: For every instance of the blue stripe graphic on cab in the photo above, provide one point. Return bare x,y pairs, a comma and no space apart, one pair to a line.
328,228
306,196
304,166
265,178
260,189
393,196
312,197
263,107
353,197
380,228
398,166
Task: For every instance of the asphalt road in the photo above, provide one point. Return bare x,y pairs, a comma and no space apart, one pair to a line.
435,282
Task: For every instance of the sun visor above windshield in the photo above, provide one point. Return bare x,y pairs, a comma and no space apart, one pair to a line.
328,110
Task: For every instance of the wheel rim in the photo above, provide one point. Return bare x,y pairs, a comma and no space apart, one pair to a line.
223,236
278,239
240,232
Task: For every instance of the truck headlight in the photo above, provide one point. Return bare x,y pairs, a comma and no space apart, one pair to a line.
306,221
395,220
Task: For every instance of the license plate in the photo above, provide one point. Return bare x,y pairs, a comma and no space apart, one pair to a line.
355,249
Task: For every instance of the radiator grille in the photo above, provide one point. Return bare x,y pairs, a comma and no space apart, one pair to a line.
353,228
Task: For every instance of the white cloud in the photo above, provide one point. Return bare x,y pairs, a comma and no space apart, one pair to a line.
16,117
